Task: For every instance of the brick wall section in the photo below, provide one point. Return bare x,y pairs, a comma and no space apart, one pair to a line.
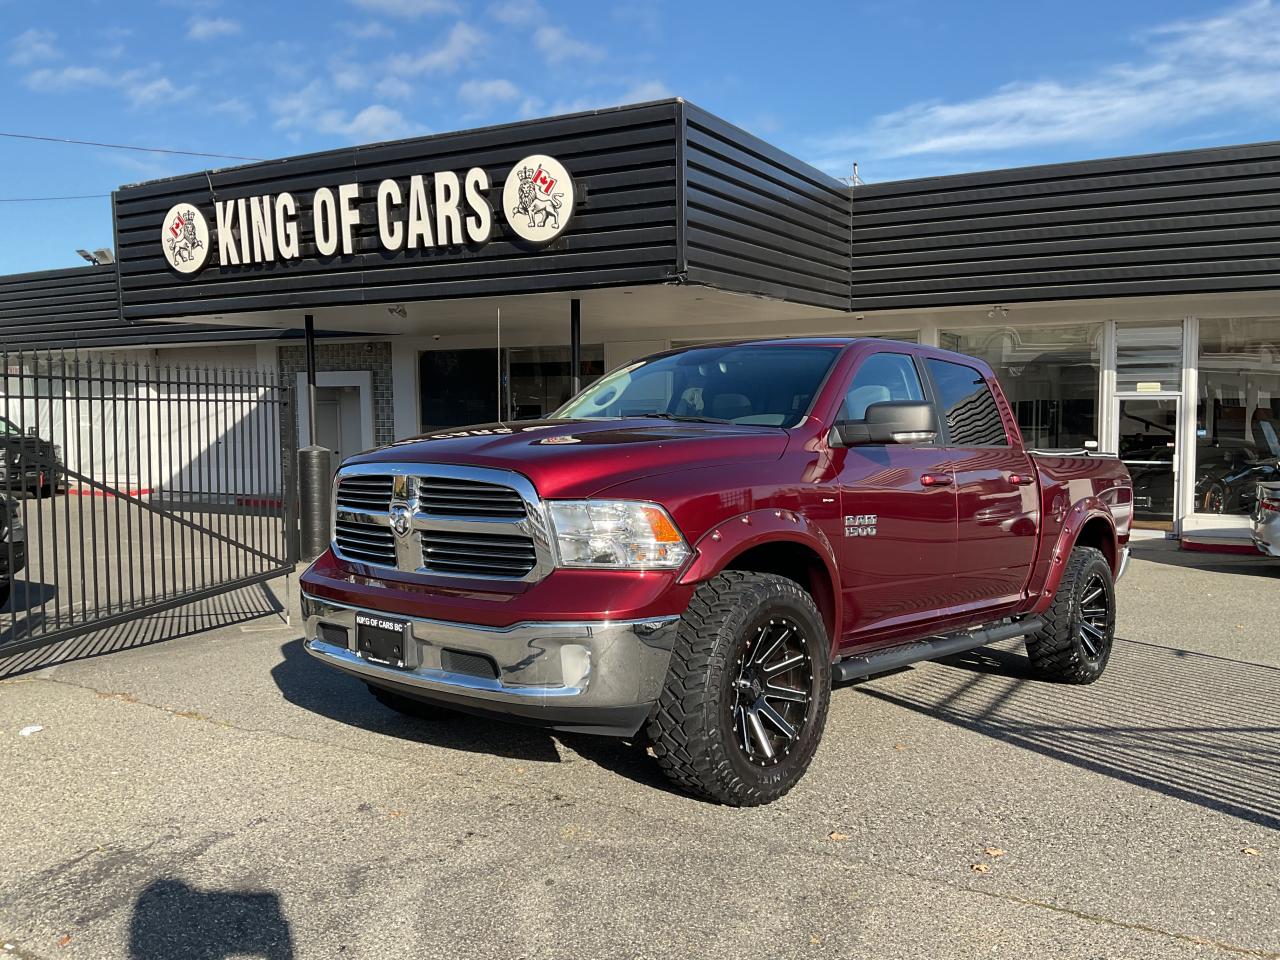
374,356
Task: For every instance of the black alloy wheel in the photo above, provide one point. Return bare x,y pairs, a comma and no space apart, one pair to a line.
1096,617
772,692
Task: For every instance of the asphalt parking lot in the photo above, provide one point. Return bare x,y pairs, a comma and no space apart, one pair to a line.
220,794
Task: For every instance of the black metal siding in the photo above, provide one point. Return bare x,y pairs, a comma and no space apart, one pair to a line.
623,231
1197,221
77,308
55,307
760,221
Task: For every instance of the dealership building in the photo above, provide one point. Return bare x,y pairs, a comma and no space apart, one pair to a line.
1129,303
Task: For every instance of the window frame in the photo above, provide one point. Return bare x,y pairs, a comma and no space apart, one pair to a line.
944,428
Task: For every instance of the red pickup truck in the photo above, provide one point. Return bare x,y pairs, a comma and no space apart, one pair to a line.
699,544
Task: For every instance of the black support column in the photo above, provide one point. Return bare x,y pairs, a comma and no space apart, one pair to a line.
575,345
315,466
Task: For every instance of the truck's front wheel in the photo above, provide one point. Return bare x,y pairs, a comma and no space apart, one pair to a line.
1075,642
745,700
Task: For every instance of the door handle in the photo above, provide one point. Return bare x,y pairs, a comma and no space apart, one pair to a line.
935,480
1021,479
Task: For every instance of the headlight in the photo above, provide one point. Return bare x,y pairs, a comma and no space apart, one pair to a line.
618,534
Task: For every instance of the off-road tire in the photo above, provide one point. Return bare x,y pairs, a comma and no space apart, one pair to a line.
418,709
692,732
1057,651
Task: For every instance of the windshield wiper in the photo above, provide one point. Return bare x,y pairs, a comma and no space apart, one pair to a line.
680,418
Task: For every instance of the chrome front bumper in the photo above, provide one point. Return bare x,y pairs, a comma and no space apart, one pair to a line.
593,676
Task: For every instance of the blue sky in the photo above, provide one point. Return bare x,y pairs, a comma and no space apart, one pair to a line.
907,88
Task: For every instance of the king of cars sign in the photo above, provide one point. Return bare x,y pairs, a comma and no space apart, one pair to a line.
443,209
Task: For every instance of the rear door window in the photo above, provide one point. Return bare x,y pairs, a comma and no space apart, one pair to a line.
968,406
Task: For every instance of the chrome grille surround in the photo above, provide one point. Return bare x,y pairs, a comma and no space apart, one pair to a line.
437,542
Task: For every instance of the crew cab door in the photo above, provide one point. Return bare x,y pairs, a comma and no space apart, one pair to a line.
896,541
996,484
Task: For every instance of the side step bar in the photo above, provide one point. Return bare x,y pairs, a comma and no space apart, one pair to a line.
892,658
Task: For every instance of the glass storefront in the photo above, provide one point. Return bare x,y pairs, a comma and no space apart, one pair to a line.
1237,412
1050,375
461,387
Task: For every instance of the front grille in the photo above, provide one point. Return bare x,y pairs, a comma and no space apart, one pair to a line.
362,540
365,492
448,497
477,554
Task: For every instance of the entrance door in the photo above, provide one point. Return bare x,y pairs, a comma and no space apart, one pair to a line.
338,421
1148,438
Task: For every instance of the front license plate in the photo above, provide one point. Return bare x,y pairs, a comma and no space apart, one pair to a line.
383,640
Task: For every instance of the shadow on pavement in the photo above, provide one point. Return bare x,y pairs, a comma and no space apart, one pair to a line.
172,920
224,610
1167,552
1202,728
319,689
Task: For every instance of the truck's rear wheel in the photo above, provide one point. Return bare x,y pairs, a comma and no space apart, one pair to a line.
1079,627
746,696
410,707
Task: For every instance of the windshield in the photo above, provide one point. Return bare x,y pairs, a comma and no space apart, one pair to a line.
770,386
7,428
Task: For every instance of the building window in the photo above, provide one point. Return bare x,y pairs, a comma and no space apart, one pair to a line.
973,419
1237,413
1050,376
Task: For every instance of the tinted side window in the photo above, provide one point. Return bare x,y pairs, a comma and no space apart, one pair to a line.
973,419
880,378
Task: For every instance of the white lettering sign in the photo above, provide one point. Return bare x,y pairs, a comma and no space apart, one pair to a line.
444,209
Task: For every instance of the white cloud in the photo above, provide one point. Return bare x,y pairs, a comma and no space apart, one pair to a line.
557,46
408,9
310,109
635,93
517,12
393,88
210,28
1188,70
373,30
158,90
460,46
375,122
481,94
33,46
347,76
235,107
142,87
649,90
50,80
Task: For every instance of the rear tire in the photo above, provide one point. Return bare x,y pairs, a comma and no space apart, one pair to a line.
745,700
1079,627
418,709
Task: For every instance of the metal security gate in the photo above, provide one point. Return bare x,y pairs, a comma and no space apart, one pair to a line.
128,488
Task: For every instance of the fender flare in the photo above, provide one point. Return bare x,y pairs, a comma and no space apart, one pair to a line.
1081,513
733,536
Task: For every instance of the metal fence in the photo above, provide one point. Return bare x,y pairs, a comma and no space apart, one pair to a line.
129,487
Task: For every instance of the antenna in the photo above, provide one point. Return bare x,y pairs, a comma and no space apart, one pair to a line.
499,398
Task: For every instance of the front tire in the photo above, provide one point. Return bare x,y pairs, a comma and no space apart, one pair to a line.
745,700
1075,643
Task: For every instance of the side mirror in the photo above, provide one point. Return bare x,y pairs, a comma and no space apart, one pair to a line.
894,421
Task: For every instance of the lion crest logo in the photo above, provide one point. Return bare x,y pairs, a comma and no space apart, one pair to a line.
185,238
538,199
